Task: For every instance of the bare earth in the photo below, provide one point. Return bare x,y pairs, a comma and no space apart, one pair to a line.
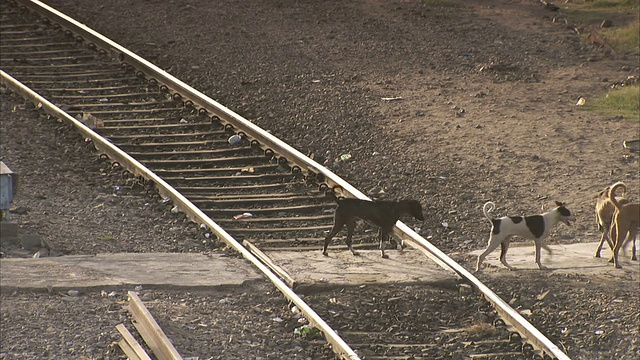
454,106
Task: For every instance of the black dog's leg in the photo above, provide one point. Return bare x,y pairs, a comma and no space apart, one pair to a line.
337,226
383,233
350,227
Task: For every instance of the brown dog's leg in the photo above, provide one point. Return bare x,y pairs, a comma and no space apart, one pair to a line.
613,235
605,236
620,232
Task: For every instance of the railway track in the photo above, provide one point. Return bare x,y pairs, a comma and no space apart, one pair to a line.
253,191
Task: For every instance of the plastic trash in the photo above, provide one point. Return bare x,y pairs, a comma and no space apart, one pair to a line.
234,139
345,157
306,331
242,216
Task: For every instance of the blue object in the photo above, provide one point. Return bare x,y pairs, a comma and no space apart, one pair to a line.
7,188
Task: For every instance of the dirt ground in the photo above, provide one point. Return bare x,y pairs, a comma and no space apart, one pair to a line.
452,105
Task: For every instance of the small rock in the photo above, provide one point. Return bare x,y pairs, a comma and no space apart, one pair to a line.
234,139
465,289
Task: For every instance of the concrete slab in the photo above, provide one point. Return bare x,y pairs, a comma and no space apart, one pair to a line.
342,268
566,259
107,270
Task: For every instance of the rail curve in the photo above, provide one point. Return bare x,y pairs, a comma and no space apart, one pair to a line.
209,161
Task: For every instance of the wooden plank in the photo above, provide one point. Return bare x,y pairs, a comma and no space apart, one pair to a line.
152,333
495,355
130,345
147,336
128,350
267,260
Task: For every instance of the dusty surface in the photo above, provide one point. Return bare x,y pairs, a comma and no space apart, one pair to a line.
367,268
487,112
126,269
569,259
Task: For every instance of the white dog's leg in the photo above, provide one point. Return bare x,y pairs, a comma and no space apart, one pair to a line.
493,244
503,254
538,247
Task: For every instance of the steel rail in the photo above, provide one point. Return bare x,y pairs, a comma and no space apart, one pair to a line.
194,213
526,330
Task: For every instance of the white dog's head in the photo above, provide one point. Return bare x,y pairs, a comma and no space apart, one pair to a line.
565,214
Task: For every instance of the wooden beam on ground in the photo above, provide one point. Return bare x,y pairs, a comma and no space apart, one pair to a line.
150,330
128,350
267,261
130,345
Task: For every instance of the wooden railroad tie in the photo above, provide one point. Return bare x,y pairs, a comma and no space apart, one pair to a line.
150,331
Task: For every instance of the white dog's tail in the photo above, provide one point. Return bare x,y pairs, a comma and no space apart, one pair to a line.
488,208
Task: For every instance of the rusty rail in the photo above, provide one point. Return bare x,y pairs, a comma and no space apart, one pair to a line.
266,140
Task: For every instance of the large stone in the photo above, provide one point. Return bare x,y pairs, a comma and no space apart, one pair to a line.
31,242
8,229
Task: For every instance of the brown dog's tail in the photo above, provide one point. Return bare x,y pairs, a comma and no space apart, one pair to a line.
612,193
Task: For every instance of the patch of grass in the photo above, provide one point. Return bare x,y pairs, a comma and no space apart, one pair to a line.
440,3
626,38
105,237
623,102
623,35
607,4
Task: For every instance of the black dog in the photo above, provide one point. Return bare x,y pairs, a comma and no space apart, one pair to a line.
383,214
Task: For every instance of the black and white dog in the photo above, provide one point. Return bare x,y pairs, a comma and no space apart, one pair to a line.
534,227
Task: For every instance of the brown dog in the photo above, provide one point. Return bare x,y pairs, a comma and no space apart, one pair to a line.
626,219
604,215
